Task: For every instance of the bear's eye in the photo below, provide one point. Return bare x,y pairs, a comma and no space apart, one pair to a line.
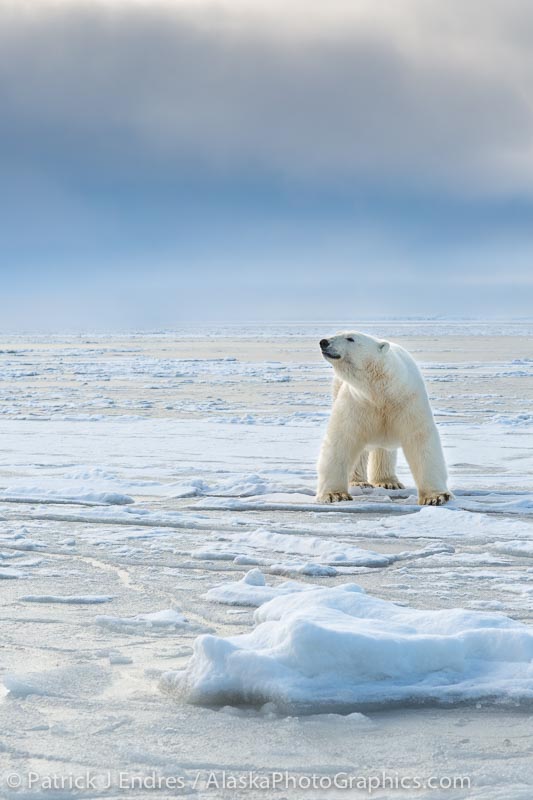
349,339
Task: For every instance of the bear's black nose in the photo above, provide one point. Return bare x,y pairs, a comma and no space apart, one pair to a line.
324,344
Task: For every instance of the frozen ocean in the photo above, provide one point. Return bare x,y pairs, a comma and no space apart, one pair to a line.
175,604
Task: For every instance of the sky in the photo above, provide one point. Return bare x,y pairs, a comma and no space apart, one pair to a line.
170,161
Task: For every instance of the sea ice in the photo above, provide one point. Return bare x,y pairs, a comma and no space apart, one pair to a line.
167,618
70,599
328,552
252,590
337,648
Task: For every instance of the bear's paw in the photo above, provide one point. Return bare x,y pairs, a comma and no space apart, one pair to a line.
389,483
362,484
333,497
434,498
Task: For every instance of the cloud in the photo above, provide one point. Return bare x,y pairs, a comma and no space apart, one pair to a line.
434,94
168,159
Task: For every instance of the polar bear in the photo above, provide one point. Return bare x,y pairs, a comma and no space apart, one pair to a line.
380,403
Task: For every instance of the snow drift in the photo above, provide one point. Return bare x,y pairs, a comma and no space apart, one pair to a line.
340,649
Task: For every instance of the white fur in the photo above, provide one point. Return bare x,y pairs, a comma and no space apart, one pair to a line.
380,403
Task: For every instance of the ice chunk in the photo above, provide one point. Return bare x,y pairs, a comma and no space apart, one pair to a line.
327,649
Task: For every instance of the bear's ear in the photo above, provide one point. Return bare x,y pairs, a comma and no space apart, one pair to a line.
383,347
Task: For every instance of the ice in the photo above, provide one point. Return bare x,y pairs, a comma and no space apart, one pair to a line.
37,494
117,658
73,599
166,618
515,548
214,555
339,647
252,590
515,420
154,470
281,502
71,681
8,573
446,523
299,545
309,568
23,543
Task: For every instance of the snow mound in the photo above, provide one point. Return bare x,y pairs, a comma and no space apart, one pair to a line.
252,590
331,649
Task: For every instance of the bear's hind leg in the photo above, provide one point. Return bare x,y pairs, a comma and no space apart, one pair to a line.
382,469
358,476
426,460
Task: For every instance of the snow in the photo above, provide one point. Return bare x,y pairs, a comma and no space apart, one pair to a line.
295,502
117,658
70,681
515,548
37,494
73,599
252,590
166,618
306,568
8,573
298,545
168,480
328,648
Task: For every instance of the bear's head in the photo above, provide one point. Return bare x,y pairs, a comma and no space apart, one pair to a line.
353,355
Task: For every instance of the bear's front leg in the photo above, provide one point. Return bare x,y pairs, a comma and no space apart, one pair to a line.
341,448
424,455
